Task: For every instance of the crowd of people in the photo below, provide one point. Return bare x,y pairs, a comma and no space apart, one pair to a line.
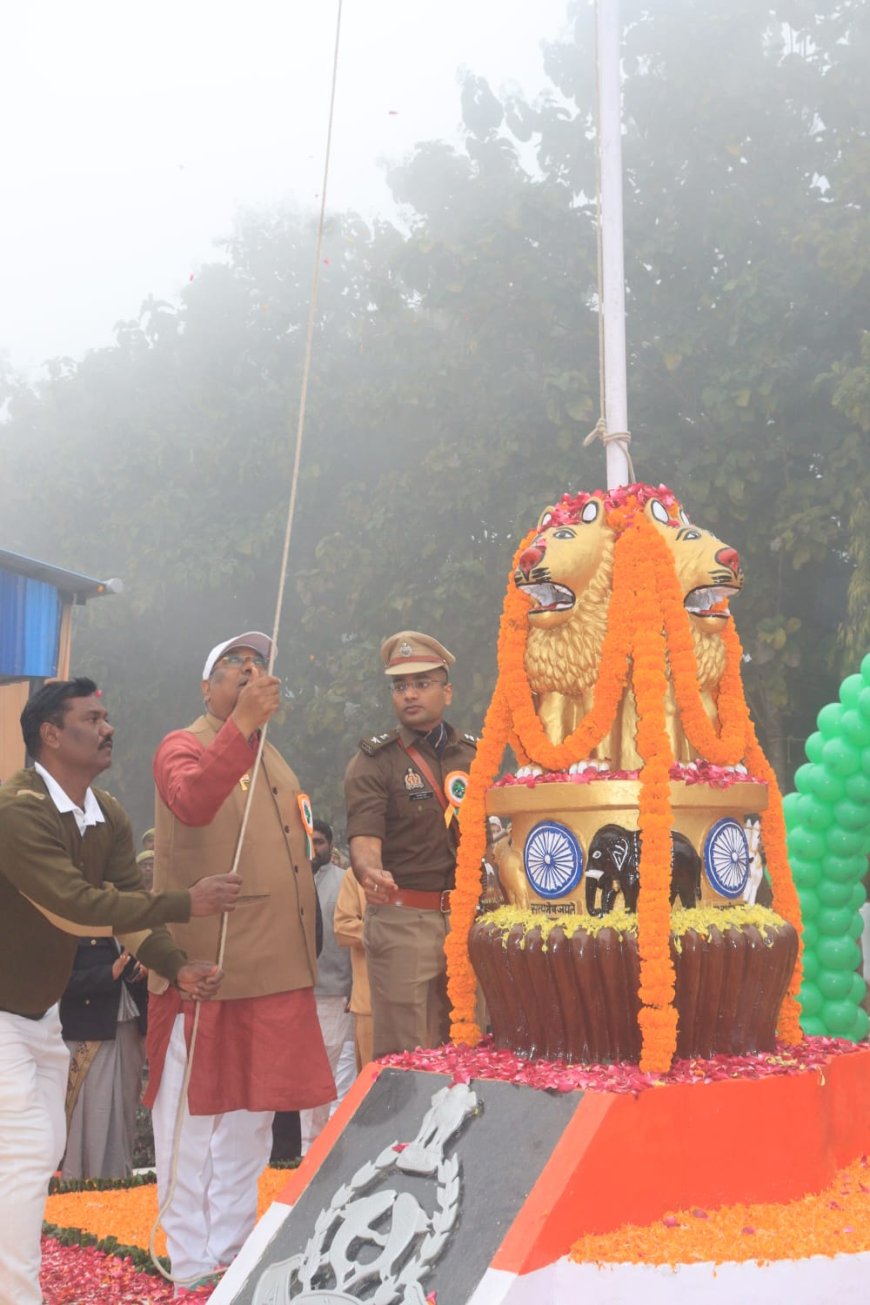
238,919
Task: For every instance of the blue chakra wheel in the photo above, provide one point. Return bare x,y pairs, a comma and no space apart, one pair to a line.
726,857
553,859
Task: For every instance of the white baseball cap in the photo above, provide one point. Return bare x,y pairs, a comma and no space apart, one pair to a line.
261,643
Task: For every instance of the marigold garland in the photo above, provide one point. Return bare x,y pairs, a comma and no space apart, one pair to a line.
658,1017
726,747
785,895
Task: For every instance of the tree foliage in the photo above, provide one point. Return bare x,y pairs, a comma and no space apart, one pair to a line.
455,376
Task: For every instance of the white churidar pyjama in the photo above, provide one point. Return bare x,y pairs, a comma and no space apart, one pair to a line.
220,1159
34,1064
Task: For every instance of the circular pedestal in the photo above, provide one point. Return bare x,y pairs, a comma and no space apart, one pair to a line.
571,993
563,818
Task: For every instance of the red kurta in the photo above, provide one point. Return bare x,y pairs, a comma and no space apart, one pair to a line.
252,1053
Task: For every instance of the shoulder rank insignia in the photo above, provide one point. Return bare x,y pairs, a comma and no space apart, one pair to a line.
374,744
29,792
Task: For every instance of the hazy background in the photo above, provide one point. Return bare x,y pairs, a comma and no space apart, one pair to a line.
135,131
162,164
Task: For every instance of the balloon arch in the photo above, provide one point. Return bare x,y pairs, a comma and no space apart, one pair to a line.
828,823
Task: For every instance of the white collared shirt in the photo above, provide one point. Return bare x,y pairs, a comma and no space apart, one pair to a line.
90,814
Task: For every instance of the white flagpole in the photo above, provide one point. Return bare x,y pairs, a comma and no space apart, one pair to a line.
612,289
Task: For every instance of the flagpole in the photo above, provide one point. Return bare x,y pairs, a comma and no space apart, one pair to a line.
612,287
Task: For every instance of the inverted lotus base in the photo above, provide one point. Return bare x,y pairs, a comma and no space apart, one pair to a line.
566,991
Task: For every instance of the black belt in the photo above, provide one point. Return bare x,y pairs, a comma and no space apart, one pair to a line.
20,1013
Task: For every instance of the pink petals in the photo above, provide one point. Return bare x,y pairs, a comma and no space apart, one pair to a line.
486,1061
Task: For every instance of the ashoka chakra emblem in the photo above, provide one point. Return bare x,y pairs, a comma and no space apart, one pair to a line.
553,859
726,858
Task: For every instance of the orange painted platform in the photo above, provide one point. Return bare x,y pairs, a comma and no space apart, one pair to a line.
628,1159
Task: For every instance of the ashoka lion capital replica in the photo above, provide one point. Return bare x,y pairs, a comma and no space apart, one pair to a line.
629,930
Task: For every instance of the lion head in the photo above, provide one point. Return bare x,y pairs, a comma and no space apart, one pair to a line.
572,552
709,571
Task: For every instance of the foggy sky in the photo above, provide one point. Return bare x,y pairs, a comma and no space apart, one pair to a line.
134,132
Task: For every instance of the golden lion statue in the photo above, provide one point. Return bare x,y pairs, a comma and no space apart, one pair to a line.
567,571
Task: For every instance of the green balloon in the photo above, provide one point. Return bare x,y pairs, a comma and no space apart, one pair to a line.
813,813
865,761
809,904
814,1026
856,927
791,808
813,747
851,815
806,874
840,758
858,989
827,787
828,720
850,690
839,1017
857,896
838,954
862,1024
810,935
803,777
834,921
831,893
865,669
811,966
864,701
806,844
857,788
834,985
810,999
844,842
844,869
855,728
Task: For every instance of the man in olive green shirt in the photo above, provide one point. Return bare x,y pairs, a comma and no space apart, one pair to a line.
67,867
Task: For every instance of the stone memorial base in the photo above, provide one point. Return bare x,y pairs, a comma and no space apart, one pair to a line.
473,1193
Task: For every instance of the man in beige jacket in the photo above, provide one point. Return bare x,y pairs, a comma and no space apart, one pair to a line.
259,1049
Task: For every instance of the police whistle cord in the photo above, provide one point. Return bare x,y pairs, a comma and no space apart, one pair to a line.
279,604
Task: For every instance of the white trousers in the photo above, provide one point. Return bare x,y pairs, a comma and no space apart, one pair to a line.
220,1159
336,1025
34,1064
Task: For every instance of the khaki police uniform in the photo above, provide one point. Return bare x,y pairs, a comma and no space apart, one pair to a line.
391,797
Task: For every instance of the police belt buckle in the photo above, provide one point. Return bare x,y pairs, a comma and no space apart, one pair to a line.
444,908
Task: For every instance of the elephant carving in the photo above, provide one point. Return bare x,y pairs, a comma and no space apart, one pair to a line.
511,873
614,857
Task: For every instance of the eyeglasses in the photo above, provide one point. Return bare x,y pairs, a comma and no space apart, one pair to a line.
400,687
249,659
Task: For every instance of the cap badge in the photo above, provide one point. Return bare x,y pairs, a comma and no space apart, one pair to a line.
405,649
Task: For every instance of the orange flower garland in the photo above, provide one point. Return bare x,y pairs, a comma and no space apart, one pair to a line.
609,687
785,897
658,1016
725,748
461,981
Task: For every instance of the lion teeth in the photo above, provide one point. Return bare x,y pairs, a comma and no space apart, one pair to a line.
549,597
701,601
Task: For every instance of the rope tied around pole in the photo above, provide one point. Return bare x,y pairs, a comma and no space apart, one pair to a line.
600,432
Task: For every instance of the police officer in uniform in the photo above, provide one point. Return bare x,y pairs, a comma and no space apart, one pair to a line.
403,790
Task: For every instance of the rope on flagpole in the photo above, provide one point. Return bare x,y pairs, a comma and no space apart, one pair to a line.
279,604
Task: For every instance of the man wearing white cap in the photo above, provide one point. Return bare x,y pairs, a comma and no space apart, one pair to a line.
403,790
260,1049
